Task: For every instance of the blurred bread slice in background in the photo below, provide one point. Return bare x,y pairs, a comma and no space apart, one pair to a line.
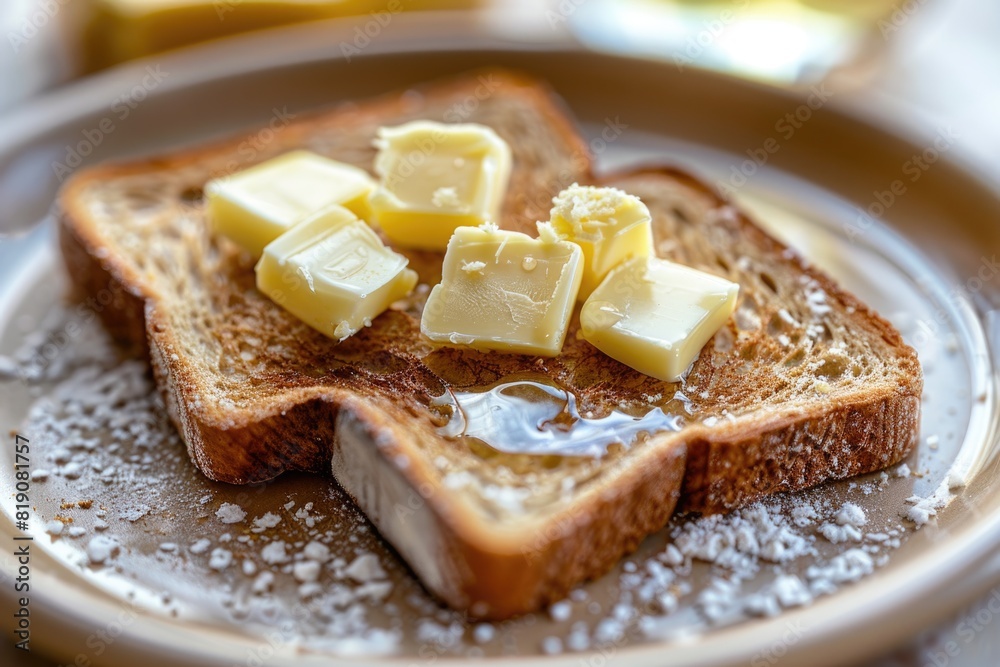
120,30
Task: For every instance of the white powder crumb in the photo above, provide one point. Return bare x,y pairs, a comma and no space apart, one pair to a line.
54,527
552,645
101,525
736,540
609,630
484,632
836,533
623,612
168,547
672,556
365,568
718,598
249,568
72,470
847,567
444,636
230,513
306,571
374,590
136,512
803,515
204,500
763,603
578,639
39,475
76,531
200,547
262,523
338,596
560,611
289,505
310,589
925,508
933,441
903,470
666,603
101,548
304,514
316,551
262,583
921,513
851,515
220,559
274,553
791,591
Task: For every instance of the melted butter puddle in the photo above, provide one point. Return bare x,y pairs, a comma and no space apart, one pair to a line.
526,417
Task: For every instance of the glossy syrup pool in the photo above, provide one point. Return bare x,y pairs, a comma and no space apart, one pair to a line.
524,416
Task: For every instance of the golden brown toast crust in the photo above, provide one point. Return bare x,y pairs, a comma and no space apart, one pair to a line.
255,392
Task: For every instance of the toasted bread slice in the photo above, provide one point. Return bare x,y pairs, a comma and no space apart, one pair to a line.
805,384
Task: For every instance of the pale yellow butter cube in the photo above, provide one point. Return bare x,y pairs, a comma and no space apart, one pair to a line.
437,177
656,316
333,272
504,291
255,206
610,226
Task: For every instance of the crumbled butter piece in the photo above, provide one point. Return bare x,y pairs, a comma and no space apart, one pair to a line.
610,226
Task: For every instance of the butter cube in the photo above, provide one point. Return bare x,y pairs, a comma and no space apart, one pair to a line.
608,224
504,291
255,206
333,272
436,178
655,316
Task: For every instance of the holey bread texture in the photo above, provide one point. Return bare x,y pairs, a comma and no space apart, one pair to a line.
804,384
